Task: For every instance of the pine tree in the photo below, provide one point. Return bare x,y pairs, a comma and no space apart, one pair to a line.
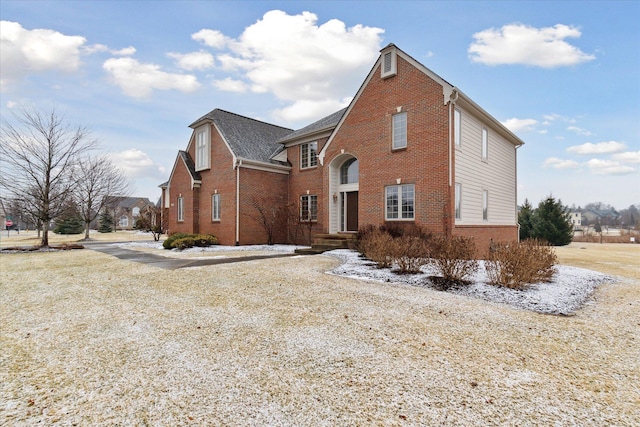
551,222
106,222
69,225
525,219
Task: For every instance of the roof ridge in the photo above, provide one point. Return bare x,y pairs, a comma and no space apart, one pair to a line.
251,118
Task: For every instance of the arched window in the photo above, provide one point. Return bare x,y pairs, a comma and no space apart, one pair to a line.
349,172
135,211
124,221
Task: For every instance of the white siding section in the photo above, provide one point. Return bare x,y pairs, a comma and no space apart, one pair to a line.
497,174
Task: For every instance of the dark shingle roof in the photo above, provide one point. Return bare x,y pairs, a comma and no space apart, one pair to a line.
248,138
190,165
324,123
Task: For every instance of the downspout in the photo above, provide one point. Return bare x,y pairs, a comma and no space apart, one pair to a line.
238,164
515,153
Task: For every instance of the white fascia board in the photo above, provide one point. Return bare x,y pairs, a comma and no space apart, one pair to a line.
310,137
262,166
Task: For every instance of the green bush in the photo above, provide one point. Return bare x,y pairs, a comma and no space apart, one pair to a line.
183,241
515,265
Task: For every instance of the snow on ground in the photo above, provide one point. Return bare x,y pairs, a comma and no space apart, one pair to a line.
570,289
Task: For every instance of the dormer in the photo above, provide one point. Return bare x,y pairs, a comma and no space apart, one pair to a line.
389,61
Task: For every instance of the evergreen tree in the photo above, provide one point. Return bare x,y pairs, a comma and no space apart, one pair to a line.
551,222
69,225
525,219
106,222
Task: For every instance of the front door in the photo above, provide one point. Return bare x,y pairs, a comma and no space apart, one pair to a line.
352,211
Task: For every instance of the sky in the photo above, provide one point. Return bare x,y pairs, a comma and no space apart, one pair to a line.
563,76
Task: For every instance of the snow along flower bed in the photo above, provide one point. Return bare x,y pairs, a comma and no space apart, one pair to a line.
570,289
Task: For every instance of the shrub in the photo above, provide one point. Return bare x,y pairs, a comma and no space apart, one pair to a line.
455,258
410,253
168,243
184,241
376,245
515,265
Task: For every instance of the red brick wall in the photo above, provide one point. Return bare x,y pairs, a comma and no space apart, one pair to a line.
483,235
301,181
366,133
180,185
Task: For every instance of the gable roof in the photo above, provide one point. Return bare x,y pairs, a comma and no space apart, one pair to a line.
246,137
191,166
126,202
326,123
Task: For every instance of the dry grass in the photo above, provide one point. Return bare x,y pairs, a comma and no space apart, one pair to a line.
30,238
88,339
617,259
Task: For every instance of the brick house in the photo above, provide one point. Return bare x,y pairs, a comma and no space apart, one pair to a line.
409,149
126,210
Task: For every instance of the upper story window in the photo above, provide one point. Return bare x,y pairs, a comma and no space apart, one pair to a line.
203,148
124,221
135,211
349,172
457,127
400,202
485,143
215,207
180,205
309,155
399,131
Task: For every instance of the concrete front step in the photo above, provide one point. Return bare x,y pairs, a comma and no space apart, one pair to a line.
328,242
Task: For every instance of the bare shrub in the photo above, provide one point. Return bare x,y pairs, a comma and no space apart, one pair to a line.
411,253
378,246
455,258
516,265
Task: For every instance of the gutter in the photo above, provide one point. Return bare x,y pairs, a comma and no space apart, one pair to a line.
237,167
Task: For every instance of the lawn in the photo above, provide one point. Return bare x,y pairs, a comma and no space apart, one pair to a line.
88,339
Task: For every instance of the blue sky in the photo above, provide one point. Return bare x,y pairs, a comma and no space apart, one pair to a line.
564,76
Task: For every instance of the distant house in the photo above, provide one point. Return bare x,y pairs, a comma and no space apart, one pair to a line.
410,149
576,219
602,217
126,210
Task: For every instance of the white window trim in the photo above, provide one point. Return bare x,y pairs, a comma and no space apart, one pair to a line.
394,131
457,127
180,209
305,201
124,221
386,198
135,211
312,161
215,207
458,201
484,144
203,147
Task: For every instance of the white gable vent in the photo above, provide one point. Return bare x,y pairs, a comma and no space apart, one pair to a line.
389,63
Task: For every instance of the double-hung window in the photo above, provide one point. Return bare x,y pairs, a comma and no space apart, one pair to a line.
399,131
309,155
180,205
485,144
203,148
400,202
308,208
215,207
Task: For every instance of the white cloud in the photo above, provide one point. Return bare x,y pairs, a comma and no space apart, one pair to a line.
139,80
579,131
231,85
127,51
627,157
608,167
211,38
304,109
200,60
523,44
557,163
35,51
599,148
520,125
297,60
137,164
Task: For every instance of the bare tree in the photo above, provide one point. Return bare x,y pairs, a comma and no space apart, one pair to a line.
271,214
98,178
150,220
38,152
